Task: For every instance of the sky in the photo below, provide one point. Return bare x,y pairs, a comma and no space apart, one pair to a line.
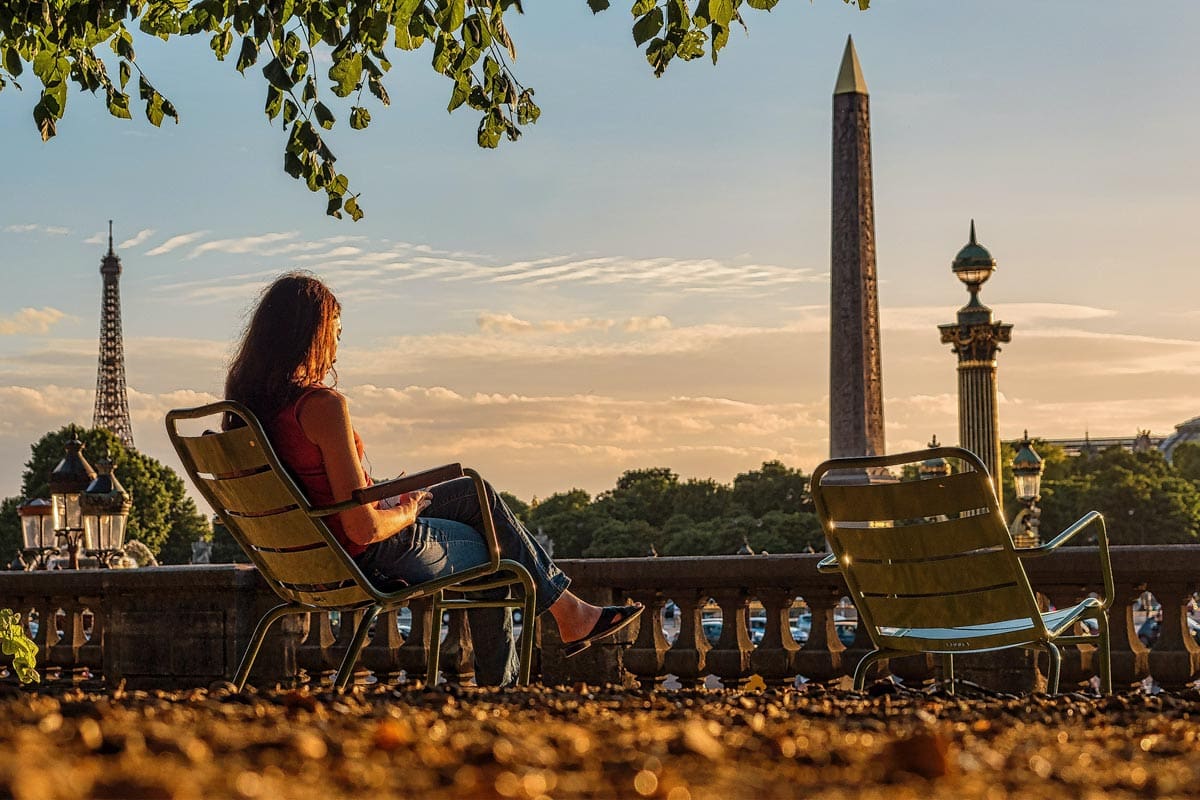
643,279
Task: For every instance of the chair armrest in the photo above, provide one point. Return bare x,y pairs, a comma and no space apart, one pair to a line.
1101,540
378,491
407,483
828,565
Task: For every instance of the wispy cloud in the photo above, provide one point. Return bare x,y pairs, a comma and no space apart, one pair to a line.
30,227
244,244
175,242
30,321
137,238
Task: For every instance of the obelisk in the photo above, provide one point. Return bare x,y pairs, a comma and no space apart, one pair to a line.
855,373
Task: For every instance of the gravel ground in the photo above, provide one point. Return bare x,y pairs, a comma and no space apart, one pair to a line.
594,742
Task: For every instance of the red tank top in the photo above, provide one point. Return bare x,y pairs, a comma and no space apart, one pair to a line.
303,458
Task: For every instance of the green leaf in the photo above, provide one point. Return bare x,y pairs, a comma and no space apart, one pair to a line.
721,12
346,73
642,7
692,45
124,71
290,111
45,120
221,43
274,102
353,210
324,116
659,54
118,103
763,5
277,75
359,118
12,61
310,90
248,54
598,5
648,26
450,14
462,90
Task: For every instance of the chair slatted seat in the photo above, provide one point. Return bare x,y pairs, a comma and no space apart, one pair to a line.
932,568
287,539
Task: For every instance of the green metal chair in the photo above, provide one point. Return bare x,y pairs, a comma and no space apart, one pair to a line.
286,537
932,568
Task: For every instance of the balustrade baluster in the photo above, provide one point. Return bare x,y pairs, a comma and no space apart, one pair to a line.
380,654
646,656
315,654
686,658
730,657
1130,658
822,657
1175,657
64,655
772,658
457,659
91,654
413,655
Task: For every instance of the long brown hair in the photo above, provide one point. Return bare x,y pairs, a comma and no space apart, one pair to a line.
288,346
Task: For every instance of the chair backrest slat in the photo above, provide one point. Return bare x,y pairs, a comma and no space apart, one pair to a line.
340,597
976,608
225,453
252,494
964,573
289,529
933,539
305,567
950,495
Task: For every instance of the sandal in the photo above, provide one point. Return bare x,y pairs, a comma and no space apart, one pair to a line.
612,619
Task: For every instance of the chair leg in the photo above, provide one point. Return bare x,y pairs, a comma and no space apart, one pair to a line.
860,672
346,671
435,640
948,671
1055,667
528,621
1104,653
256,640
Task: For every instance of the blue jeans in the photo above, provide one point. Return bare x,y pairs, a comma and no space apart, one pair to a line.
446,539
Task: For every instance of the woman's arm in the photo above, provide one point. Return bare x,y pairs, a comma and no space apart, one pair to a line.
325,420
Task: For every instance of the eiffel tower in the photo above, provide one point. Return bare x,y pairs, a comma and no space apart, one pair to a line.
112,406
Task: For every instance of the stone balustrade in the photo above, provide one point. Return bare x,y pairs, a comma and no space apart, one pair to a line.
187,626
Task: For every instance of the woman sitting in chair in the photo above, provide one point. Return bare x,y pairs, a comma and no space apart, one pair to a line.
283,372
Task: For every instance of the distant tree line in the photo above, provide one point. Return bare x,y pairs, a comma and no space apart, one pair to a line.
768,509
1144,498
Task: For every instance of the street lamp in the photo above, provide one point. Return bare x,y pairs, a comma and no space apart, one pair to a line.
68,481
1027,467
37,529
933,467
105,505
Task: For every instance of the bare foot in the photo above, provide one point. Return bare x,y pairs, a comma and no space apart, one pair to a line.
575,618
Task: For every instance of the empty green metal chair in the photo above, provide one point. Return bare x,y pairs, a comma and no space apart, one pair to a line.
932,568
286,537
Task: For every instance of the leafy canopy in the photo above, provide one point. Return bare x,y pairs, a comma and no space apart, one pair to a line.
467,41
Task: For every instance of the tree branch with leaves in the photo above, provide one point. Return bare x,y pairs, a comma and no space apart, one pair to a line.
79,41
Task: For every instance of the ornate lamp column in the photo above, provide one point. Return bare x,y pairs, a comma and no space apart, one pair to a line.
1027,469
68,481
976,339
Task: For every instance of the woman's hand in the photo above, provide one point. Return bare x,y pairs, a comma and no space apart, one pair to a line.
417,501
